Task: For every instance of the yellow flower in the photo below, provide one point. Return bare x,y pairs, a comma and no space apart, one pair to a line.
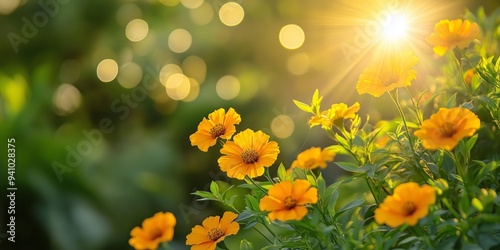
155,230
408,204
286,200
313,158
213,231
248,154
341,111
321,119
218,125
388,74
337,112
450,34
447,127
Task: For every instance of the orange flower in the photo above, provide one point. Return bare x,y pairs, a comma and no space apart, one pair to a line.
450,34
468,75
447,127
388,74
213,231
381,141
287,200
313,158
219,125
248,154
408,204
155,230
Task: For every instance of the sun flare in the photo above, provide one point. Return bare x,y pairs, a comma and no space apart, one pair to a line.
396,27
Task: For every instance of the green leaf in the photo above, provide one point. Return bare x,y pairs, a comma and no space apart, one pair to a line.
411,125
452,101
350,167
464,204
281,172
321,184
430,99
252,202
342,141
214,188
311,180
353,204
302,106
205,194
245,215
316,102
470,143
337,149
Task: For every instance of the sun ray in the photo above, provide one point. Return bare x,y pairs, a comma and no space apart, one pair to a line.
347,35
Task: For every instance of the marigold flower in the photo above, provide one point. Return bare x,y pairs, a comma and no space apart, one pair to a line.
336,112
218,125
286,200
213,230
313,158
341,111
450,34
321,119
381,141
155,230
468,75
447,127
391,73
408,204
248,154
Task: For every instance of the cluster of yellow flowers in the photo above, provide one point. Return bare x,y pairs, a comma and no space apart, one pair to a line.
246,154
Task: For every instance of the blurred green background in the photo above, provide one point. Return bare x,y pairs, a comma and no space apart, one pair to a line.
101,97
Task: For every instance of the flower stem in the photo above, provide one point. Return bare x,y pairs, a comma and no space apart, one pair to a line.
263,235
371,190
395,99
255,184
263,222
268,176
461,71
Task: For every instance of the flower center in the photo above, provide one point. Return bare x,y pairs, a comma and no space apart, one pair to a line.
409,208
391,79
447,129
217,130
309,163
214,234
249,156
155,234
289,202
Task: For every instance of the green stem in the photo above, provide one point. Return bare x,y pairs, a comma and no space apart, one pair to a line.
395,99
255,184
263,222
165,246
418,231
446,202
461,71
268,176
419,114
371,190
232,207
263,235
